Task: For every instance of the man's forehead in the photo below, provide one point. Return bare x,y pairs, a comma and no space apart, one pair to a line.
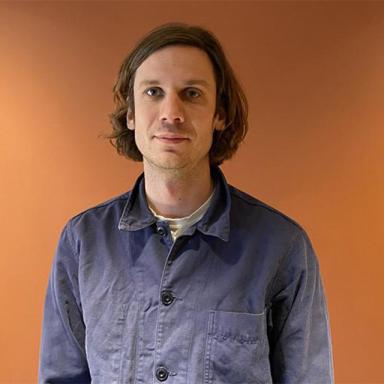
190,64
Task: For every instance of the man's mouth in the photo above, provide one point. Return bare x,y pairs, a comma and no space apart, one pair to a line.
171,139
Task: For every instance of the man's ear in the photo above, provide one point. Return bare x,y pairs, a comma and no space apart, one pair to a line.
219,120
130,120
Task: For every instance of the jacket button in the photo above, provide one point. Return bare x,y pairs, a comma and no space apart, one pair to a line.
167,297
161,231
162,374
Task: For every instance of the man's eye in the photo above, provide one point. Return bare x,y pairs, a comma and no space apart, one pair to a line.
153,92
193,93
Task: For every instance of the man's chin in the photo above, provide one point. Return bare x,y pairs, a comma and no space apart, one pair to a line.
169,164
175,162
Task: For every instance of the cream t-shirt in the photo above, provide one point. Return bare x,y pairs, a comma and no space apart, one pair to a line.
179,225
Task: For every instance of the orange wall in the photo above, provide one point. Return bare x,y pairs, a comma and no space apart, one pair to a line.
314,76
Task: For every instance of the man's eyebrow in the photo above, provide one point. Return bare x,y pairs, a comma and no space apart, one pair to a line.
148,82
203,83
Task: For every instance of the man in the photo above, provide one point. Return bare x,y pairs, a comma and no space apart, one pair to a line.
184,279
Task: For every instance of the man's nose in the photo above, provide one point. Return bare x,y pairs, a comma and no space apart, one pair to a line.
172,109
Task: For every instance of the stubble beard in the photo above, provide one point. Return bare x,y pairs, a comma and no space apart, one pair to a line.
180,167
173,167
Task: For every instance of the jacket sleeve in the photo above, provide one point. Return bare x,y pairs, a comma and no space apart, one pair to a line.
298,324
62,351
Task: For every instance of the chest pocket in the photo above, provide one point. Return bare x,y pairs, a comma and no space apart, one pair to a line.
236,349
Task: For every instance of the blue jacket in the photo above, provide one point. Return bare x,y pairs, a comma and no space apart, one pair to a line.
238,299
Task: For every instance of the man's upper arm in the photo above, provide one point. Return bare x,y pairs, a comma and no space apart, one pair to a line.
299,332
62,354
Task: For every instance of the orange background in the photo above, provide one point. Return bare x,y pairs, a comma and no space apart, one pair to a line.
314,76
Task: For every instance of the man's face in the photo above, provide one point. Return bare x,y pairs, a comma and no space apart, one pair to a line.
175,105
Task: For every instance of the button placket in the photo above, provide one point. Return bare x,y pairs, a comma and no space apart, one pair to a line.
167,298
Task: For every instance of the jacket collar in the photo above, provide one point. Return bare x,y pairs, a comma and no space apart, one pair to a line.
216,221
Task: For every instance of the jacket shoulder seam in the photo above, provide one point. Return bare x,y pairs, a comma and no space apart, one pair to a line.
255,202
104,204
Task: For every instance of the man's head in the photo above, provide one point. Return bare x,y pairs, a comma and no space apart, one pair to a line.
230,102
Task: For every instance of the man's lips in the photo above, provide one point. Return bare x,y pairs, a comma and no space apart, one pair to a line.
171,139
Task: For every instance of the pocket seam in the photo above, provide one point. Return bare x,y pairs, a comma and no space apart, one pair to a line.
208,345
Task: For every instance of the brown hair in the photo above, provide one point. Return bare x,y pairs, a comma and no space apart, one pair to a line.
230,98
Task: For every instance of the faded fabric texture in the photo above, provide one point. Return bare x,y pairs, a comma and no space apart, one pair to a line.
236,299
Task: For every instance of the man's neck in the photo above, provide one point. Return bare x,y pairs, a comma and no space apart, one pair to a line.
175,194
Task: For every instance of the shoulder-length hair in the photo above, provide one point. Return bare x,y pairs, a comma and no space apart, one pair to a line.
230,98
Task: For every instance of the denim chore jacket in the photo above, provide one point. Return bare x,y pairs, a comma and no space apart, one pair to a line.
237,299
